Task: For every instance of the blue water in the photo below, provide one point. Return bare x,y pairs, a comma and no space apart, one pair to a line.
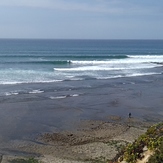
39,61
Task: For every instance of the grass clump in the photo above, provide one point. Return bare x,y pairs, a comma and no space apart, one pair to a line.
119,145
100,159
30,160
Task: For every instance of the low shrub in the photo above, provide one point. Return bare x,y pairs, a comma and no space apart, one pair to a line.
30,160
158,156
153,139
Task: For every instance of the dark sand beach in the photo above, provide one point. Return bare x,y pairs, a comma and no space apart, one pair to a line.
76,121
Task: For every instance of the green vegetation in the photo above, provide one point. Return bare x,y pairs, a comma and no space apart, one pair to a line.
158,156
119,145
152,139
30,160
100,159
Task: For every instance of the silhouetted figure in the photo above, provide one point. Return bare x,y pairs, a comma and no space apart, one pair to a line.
129,115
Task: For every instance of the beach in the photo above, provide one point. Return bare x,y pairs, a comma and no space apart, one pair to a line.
92,141
70,100
79,126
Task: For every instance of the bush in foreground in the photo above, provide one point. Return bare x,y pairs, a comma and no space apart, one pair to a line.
152,139
158,156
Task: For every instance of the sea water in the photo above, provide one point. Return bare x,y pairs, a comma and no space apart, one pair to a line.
48,61
43,61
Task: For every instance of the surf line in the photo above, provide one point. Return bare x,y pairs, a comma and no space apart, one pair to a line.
62,97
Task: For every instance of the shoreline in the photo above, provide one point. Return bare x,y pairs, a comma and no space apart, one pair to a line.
92,141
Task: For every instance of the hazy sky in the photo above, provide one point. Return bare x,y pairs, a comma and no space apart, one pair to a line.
82,19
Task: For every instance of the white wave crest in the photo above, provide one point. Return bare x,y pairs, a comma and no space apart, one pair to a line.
105,68
129,60
74,95
27,82
36,91
146,56
143,74
129,75
11,93
58,97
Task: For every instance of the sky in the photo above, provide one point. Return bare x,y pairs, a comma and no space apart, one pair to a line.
81,19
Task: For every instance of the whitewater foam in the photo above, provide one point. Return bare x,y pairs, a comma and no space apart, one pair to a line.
27,82
105,68
58,97
129,75
11,93
131,60
74,95
36,91
146,56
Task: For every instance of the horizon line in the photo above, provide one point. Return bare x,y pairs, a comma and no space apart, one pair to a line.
76,39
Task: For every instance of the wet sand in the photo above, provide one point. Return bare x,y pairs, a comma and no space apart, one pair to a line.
78,128
92,141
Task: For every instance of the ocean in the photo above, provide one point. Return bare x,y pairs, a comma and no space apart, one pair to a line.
49,84
45,61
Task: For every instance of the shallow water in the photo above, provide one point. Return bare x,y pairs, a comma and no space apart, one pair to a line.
39,108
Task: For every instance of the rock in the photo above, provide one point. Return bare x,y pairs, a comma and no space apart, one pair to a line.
120,159
124,162
145,149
